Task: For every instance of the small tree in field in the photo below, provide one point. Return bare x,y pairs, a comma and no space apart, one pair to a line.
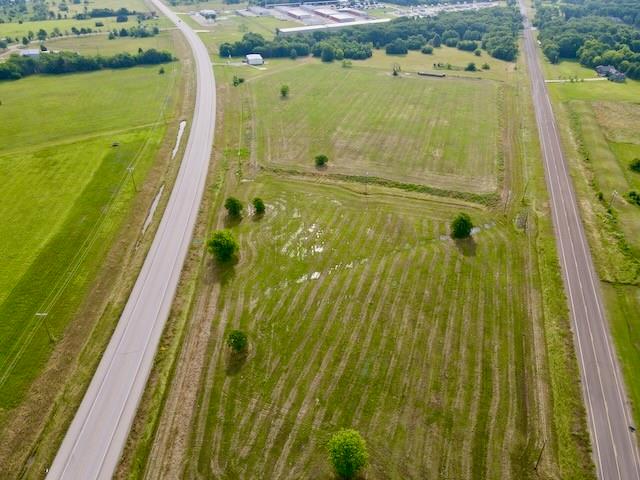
635,165
259,206
461,226
237,341
284,91
321,160
223,245
234,207
347,453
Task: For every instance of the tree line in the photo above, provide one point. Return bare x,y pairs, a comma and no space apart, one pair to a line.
596,32
495,30
17,66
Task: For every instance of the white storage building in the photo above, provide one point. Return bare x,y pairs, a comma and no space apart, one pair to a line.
255,59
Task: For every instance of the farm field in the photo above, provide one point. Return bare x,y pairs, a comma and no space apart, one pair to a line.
598,122
352,306
66,192
454,360
370,123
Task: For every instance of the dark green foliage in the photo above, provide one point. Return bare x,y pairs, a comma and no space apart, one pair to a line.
223,245
467,45
486,66
595,32
68,62
321,160
477,52
259,206
328,53
397,47
284,91
427,49
234,207
237,80
471,67
634,197
347,453
237,341
635,165
461,226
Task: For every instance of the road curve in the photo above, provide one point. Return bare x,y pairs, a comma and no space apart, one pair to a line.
93,444
615,451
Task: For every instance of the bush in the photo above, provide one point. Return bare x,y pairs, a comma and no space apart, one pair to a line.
321,160
237,341
477,52
234,207
634,197
397,47
461,226
471,67
427,50
122,19
259,206
486,66
223,245
284,91
347,453
635,165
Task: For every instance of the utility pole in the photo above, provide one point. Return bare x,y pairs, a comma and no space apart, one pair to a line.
43,315
133,180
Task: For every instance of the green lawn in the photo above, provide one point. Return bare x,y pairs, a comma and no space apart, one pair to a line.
370,123
361,312
101,45
66,192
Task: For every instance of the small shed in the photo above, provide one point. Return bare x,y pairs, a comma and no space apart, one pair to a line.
255,59
30,52
208,14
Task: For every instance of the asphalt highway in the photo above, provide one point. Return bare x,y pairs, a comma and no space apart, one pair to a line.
615,450
93,444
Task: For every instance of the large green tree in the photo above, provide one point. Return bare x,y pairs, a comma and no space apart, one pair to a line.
223,245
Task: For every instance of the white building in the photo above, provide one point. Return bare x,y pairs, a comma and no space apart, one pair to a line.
208,14
30,52
255,59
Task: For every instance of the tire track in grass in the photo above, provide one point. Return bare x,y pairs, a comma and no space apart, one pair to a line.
384,340
410,406
319,415
395,349
425,390
486,454
227,398
464,378
299,294
400,415
311,389
436,388
282,382
450,359
390,273
478,341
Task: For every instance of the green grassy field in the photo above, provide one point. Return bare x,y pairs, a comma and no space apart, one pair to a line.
370,123
454,360
351,306
101,45
599,122
66,192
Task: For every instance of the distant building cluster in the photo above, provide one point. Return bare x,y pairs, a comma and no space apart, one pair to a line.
611,73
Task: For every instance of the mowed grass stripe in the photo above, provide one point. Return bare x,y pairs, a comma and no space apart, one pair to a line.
404,336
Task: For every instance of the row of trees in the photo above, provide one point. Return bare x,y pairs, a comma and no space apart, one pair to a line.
140,31
67,62
597,32
327,47
494,29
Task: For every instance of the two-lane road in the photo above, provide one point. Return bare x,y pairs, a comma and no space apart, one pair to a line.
614,447
93,444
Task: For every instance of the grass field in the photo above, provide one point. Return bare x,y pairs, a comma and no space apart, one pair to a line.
454,360
370,123
101,45
599,121
66,192
351,306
